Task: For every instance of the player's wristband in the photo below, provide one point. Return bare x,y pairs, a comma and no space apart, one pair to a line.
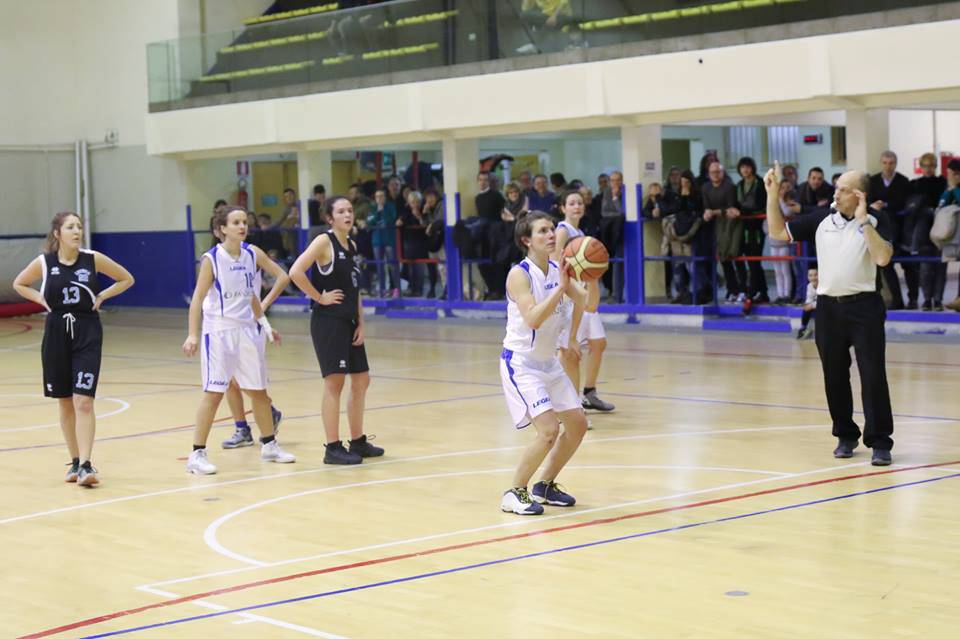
265,323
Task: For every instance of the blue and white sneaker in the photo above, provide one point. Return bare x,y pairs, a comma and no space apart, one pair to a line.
277,416
517,501
552,494
241,437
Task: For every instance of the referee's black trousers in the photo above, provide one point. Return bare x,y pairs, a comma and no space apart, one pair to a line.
859,323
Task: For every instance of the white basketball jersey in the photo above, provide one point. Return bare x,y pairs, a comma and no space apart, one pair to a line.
539,344
227,304
571,231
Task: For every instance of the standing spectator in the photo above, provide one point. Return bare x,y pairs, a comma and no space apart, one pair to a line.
782,269
542,198
433,213
719,203
414,237
814,196
526,182
360,203
612,217
315,204
290,222
790,175
590,224
809,305
926,191
489,204
889,190
658,205
815,193
851,244
952,196
603,181
558,182
752,201
673,180
382,223
395,193
682,232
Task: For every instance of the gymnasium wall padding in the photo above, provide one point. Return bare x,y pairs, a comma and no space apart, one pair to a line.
14,255
162,263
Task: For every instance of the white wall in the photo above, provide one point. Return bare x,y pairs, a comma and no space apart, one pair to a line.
912,135
72,70
34,185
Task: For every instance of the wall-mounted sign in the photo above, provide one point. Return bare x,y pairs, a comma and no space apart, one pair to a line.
813,139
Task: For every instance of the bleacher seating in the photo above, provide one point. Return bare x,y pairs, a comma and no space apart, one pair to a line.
295,46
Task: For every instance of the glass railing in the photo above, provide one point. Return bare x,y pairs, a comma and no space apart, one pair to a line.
325,44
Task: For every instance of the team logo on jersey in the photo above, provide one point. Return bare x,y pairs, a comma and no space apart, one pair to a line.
343,363
550,285
83,275
55,270
49,388
342,256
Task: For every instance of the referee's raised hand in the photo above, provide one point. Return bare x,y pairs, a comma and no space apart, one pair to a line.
861,213
772,179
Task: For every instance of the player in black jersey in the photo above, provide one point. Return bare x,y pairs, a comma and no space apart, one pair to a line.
336,326
72,337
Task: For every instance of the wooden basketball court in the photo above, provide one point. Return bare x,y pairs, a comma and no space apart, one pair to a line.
709,502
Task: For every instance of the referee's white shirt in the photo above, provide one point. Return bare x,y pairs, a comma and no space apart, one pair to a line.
845,266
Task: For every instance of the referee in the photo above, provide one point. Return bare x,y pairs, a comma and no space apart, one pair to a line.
851,244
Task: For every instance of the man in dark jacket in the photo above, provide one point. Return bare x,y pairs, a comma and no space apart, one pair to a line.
888,193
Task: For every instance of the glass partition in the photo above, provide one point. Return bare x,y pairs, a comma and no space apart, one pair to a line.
324,43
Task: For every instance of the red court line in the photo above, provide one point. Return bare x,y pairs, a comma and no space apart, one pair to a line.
469,544
25,328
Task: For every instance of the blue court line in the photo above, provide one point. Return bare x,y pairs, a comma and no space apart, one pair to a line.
449,571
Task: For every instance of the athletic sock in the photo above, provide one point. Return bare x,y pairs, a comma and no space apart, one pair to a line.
589,389
195,447
267,439
242,424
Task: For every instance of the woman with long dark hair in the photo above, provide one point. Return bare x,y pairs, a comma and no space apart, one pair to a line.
73,336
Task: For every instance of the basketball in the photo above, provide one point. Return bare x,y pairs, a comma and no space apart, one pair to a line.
586,257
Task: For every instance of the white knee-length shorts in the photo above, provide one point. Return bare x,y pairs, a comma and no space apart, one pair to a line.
533,387
236,353
591,327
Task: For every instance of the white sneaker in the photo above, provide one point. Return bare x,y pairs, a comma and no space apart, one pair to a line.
518,501
198,464
273,453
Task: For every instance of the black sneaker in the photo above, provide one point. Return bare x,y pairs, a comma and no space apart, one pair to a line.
881,457
591,401
87,475
552,494
845,448
73,472
364,448
337,454
801,333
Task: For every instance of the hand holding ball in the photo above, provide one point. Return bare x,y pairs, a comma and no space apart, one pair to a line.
586,258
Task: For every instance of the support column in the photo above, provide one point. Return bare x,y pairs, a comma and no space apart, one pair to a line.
461,160
642,162
868,135
313,167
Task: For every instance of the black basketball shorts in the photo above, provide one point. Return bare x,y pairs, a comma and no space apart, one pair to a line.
71,353
333,343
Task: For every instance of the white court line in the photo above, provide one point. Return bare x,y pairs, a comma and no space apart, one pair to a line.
386,462
210,534
518,522
123,407
248,617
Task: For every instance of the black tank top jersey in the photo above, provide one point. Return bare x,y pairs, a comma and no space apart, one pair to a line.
73,288
344,274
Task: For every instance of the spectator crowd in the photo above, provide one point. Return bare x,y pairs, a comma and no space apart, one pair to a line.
713,227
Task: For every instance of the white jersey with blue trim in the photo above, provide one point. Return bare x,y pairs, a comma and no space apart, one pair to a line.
227,304
571,230
539,344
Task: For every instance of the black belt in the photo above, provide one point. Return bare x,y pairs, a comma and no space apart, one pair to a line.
843,299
